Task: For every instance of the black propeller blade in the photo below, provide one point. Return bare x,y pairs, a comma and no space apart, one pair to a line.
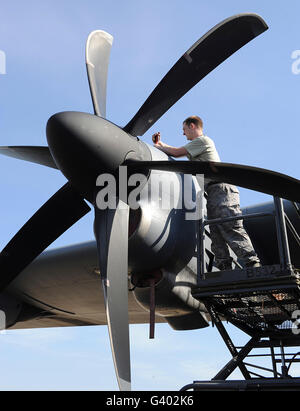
253,178
58,214
34,154
111,232
204,56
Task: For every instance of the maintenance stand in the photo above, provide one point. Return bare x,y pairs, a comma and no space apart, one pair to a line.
262,302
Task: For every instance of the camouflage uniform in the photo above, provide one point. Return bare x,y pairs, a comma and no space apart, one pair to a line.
223,201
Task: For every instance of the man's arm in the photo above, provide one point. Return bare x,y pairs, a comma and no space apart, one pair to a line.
170,150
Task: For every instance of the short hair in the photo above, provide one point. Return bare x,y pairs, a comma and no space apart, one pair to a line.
195,120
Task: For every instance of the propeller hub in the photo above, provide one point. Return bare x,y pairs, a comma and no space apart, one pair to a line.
84,146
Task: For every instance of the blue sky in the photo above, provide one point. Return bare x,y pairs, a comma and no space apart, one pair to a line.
250,107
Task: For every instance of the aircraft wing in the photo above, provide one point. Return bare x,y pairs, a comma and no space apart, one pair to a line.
62,288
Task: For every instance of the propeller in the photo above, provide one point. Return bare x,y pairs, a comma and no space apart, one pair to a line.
34,154
59,213
253,178
204,56
97,54
82,146
111,232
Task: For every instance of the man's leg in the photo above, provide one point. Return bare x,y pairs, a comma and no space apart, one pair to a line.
236,236
219,247
223,260
223,201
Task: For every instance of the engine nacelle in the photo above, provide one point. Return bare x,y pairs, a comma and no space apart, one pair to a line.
10,309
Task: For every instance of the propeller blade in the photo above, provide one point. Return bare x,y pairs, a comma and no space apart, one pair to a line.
111,231
253,178
204,56
34,154
98,47
59,213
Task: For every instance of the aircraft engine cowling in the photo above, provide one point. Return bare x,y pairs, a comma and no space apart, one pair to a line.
162,247
173,299
160,221
263,232
10,309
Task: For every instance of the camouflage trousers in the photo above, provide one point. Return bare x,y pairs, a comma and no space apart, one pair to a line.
224,201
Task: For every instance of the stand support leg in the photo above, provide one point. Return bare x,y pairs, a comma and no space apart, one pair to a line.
237,356
237,361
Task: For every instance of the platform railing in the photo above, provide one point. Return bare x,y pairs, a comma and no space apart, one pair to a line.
281,221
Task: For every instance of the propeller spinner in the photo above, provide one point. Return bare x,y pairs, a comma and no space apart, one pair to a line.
84,146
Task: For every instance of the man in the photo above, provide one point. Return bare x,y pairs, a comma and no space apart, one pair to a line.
222,199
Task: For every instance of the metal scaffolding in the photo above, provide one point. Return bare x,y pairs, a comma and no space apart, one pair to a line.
263,302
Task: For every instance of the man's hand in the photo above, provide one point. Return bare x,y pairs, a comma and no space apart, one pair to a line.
157,141
156,138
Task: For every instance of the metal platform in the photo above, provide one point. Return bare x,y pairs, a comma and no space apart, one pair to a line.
264,303
262,299
266,306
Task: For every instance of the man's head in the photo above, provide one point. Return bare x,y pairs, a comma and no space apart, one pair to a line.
192,127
